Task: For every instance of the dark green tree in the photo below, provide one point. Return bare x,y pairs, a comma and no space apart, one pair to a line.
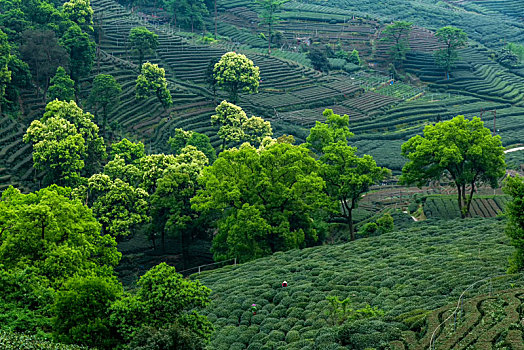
5,74
461,150
81,51
184,138
453,39
270,17
318,59
105,94
142,42
62,87
398,34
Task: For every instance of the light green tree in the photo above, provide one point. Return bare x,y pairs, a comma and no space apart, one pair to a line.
80,12
229,118
105,94
129,151
84,122
460,150
152,80
269,16
335,129
142,41
514,187
255,129
236,74
453,39
398,34
62,87
58,149
163,298
268,200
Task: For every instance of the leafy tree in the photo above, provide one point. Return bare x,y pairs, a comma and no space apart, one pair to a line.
79,12
210,77
354,58
81,310
269,16
152,80
230,118
83,121
41,51
128,150
398,33
118,206
385,223
236,74
255,129
45,239
142,41
81,51
105,94
514,187
179,9
170,204
154,167
118,168
318,59
335,129
453,38
462,150
163,298
62,87
20,79
269,200
173,336
184,138
58,149
348,176
5,74
197,12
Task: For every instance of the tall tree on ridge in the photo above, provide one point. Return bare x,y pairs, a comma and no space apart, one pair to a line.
269,16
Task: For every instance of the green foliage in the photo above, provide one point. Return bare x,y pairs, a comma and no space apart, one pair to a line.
453,39
79,12
269,16
62,87
369,229
81,50
184,138
367,334
129,151
174,337
514,186
16,341
81,309
152,80
274,192
229,118
461,150
163,299
5,74
517,49
105,94
385,224
335,129
398,33
318,59
142,42
236,74
354,58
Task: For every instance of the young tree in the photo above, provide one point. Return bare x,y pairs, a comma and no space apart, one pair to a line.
81,50
163,298
398,33
461,150
354,58
236,73
255,129
514,187
152,80
62,87
105,94
453,38
268,200
41,51
142,41
318,59
269,16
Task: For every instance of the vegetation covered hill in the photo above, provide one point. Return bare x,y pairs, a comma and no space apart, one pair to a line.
424,267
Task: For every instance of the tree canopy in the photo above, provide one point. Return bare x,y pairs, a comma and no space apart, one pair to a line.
453,39
62,87
105,94
514,187
461,150
142,42
269,16
236,74
152,81
398,34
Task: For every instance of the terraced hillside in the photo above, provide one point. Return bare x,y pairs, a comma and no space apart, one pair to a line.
484,322
424,267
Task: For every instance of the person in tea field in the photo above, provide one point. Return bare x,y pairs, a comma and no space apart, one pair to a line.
254,308
284,284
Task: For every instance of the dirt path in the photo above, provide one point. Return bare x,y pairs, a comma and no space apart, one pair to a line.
514,149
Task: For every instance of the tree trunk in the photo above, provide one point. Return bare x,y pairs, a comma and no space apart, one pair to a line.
104,122
350,223
468,203
459,200
269,40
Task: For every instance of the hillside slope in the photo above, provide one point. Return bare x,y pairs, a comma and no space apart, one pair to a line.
424,267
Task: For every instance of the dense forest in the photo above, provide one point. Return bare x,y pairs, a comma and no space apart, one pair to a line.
261,174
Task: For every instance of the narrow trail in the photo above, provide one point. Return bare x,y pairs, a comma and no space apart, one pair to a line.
514,149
